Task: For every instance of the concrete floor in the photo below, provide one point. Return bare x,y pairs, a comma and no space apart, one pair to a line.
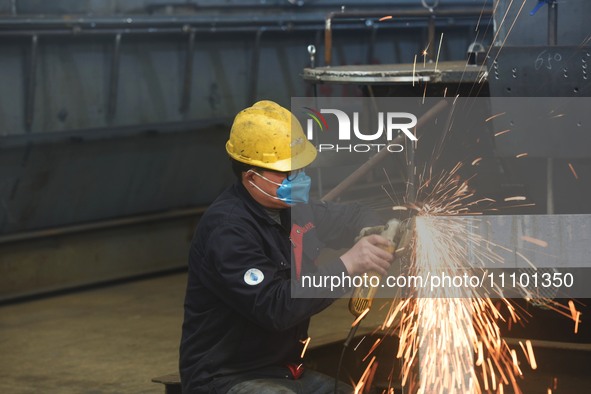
115,339
108,340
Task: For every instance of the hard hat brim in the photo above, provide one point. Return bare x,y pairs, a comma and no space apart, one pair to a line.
300,160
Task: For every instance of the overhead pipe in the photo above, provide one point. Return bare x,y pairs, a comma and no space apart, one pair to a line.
180,30
146,24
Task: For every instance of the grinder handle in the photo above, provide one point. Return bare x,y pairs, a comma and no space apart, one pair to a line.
362,296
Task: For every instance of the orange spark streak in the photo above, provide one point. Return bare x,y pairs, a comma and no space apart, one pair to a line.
360,317
532,358
480,359
390,320
359,343
519,156
375,345
572,169
535,241
362,380
305,342
522,205
524,351
577,322
515,363
399,208
438,51
502,132
515,198
526,260
476,161
414,66
484,377
493,378
512,312
494,116
573,309
385,18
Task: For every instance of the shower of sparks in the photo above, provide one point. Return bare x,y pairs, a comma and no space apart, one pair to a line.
364,378
450,339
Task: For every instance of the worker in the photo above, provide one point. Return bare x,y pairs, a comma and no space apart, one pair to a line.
243,331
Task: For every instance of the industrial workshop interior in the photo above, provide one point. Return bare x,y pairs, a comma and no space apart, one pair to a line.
194,197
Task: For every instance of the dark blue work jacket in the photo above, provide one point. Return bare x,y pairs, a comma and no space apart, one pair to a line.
240,318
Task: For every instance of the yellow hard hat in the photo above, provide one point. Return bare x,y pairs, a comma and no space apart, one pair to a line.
267,135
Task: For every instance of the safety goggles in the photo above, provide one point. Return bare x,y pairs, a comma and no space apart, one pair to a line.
289,175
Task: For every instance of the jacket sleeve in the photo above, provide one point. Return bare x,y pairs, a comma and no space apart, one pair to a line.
339,224
230,252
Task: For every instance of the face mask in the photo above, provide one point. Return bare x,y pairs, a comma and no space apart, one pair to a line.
291,190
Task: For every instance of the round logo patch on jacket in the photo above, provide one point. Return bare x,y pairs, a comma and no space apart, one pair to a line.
253,276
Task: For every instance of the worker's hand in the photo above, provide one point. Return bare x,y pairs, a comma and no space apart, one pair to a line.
365,231
369,254
392,231
389,230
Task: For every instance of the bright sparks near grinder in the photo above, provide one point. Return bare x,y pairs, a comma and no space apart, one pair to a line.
450,334
450,339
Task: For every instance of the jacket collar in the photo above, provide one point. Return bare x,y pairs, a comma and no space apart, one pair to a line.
254,207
